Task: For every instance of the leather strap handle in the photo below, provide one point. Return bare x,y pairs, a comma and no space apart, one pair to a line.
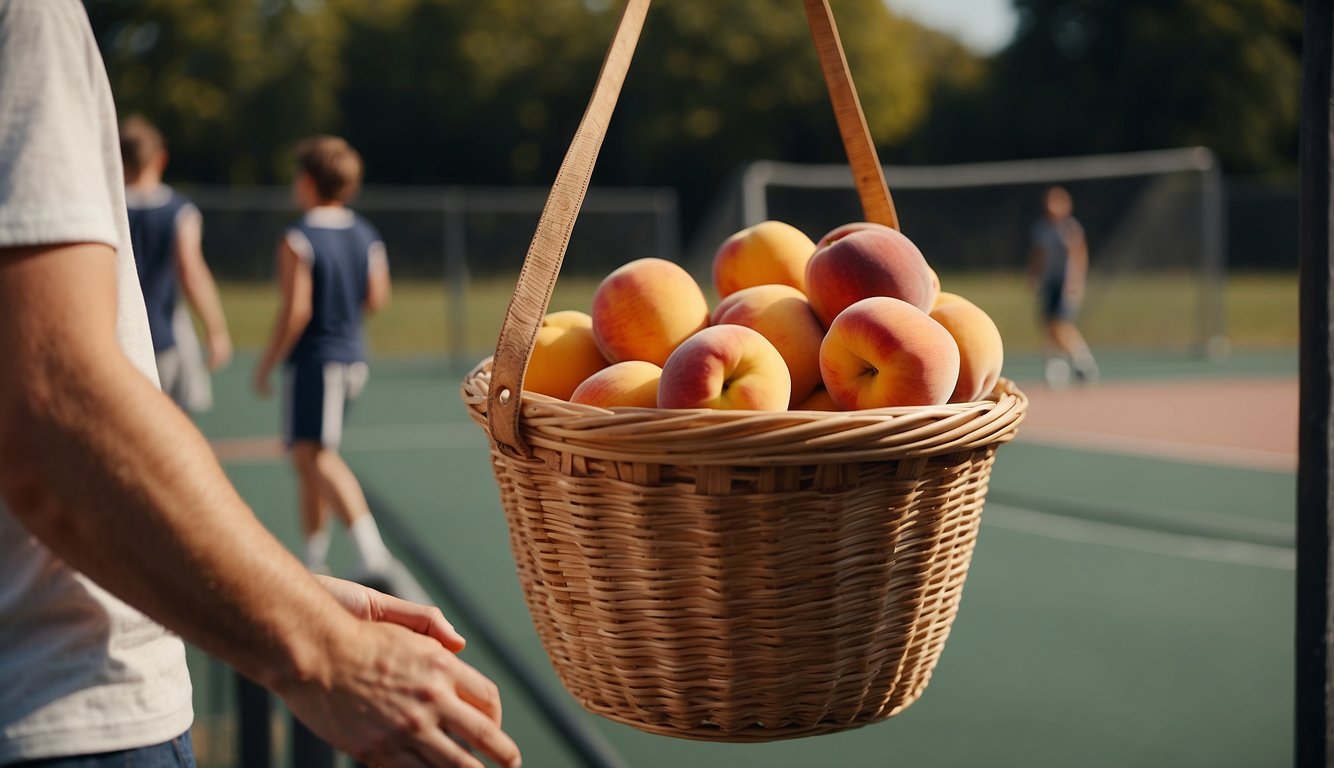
537,278
867,174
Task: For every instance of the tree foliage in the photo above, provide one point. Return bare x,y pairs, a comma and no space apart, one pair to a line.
459,91
1118,75
232,84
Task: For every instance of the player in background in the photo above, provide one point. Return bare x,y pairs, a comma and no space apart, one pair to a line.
332,269
1057,271
166,230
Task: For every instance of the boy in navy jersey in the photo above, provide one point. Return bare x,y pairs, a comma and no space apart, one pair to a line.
332,268
165,230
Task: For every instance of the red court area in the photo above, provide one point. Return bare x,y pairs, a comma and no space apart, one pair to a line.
1248,422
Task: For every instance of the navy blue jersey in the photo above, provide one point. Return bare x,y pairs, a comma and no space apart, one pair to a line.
154,216
340,248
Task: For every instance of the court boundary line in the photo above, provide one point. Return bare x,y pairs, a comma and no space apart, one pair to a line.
1166,543
1147,447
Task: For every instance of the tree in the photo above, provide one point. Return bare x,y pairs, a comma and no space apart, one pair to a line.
1117,75
232,85
456,91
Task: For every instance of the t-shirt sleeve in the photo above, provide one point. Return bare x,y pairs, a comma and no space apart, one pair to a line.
377,258
300,245
189,214
52,163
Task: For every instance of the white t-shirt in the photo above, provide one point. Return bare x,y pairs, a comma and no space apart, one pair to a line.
80,671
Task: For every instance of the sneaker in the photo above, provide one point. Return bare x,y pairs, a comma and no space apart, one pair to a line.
1086,371
1057,372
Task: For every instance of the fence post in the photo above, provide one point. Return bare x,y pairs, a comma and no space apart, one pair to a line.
456,277
1312,721
309,750
255,727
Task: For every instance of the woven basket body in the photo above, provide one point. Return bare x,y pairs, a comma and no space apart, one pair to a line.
745,576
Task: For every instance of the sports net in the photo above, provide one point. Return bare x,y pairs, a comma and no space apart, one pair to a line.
1154,223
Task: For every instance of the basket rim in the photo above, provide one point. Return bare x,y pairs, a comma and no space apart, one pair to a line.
759,438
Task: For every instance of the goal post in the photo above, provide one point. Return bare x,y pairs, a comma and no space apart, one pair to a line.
1153,218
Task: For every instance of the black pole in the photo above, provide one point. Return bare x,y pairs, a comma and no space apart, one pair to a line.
1315,486
255,734
309,750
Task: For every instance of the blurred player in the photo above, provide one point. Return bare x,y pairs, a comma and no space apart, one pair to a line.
1058,269
166,231
332,268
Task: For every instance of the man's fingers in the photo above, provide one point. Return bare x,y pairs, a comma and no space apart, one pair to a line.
422,619
481,732
437,749
474,688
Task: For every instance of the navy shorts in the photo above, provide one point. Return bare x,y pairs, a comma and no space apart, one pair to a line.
177,753
315,399
1052,302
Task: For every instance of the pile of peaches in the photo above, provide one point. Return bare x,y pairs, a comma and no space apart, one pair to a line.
855,320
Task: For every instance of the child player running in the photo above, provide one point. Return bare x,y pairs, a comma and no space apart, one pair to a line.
332,268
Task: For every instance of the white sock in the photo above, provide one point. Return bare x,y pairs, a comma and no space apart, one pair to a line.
317,549
370,547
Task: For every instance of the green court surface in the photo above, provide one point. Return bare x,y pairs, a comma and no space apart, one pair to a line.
1120,611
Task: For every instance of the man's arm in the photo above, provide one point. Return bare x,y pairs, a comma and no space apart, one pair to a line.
105,471
294,283
200,289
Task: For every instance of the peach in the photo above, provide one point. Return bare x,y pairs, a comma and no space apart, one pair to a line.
819,400
843,230
981,353
945,297
728,367
769,252
883,351
565,354
872,261
644,309
631,383
782,315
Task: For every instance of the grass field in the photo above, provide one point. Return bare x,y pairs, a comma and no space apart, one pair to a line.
1260,310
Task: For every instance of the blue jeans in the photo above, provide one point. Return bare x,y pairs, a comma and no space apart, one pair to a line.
177,753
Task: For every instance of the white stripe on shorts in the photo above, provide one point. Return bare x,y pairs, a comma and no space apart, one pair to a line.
335,394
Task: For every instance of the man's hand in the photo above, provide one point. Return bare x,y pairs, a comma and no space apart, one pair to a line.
391,697
372,605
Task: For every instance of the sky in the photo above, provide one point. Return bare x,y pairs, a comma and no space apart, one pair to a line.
983,25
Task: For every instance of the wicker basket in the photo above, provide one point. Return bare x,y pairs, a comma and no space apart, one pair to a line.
725,575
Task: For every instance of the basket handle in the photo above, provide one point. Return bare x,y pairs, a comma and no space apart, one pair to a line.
537,277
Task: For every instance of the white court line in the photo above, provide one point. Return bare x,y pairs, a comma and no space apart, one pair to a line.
377,439
1191,453
1179,545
